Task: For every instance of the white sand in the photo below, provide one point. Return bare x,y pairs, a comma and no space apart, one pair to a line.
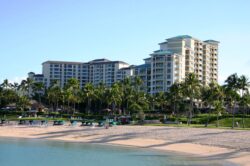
228,145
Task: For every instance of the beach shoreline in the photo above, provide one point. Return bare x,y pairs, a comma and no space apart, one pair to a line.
142,137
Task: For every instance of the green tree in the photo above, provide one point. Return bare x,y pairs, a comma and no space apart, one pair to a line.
22,103
213,96
89,95
26,87
243,85
191,90
175,96
54,94
115,96
6,84
73,90
38,88
128,94
232,96
161,101
137,83
101,96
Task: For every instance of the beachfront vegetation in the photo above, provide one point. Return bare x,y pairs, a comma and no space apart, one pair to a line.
187,102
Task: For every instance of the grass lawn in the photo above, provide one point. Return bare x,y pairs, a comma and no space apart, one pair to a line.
202,126
200,120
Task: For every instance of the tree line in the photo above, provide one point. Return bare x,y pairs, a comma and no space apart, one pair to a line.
126,97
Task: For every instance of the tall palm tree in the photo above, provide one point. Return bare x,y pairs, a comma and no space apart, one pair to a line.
161,100
115,96
232,88
7,94
15,86
54,94
213,96
244,104
89,95
100,92
243,85
175,96
38,88
191,90
26,87
139,103
128,93
6,84
73,89
137,83
1,96
22,103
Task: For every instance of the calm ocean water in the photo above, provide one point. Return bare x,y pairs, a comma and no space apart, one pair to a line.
27,152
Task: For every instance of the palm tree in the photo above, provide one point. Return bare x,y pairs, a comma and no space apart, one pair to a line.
6,84
38,88
26,87
89,95
191,90
54,94
231,89
22,103
15,86
244,103
1,96
151,101
115,96
161,100
128,93
243,85
213,96
139,103
175,95
73,89
8,96
100,92
137,83
142,100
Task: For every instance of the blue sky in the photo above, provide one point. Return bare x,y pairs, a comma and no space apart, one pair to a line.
33,31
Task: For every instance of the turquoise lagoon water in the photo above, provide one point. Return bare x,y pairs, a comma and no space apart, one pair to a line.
28,152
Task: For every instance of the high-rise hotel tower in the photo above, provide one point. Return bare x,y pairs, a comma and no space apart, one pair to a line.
179,56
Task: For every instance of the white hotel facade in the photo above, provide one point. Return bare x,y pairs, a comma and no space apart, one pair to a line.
176,57
96,71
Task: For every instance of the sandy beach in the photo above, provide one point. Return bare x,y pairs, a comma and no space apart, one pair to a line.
214,144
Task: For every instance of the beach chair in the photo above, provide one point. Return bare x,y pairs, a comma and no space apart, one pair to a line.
100,124
73,122
21,122
111,124
58,123
89,123
83,123
31,122
44,123
61,122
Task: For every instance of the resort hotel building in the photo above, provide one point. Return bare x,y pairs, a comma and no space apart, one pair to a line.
96,71
176,57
